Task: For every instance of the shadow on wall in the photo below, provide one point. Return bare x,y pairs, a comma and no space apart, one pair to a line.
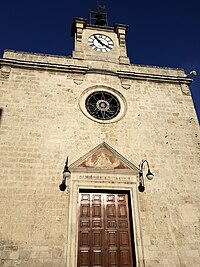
1,113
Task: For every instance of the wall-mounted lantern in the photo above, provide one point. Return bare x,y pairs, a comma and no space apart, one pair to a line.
66,175
149,175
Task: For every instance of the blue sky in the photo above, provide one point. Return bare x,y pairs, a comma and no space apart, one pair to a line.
161,33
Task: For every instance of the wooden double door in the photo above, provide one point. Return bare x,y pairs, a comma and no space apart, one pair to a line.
105,238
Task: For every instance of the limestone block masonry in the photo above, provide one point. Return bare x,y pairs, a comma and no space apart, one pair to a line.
42,123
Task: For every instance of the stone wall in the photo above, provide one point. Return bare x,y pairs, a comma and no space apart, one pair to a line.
42,124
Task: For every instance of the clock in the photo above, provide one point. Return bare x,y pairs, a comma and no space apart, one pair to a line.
100,42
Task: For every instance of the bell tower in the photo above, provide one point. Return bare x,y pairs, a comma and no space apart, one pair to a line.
97,40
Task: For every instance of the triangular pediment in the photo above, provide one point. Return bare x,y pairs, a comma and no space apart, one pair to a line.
103,157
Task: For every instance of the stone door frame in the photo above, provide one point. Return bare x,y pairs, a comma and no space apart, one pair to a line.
103,181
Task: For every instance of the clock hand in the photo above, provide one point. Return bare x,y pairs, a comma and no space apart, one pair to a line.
101,42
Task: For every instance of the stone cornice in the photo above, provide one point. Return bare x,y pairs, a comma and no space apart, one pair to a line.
72,68
142,76
154,77
43,66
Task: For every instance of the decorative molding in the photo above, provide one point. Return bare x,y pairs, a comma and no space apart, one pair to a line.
185,89
77,28
108,178
125,83
121,31
78,78
44,66
5,71
103,158
154,77
133,75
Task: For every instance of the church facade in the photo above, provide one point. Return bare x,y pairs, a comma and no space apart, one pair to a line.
113,120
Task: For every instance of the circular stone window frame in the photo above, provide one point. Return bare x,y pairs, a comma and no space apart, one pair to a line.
98,88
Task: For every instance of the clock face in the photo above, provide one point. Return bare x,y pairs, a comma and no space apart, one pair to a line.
100,42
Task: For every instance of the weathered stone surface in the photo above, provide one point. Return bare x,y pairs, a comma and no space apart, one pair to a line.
42,123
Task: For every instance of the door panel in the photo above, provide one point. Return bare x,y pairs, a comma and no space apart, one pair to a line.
104,231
